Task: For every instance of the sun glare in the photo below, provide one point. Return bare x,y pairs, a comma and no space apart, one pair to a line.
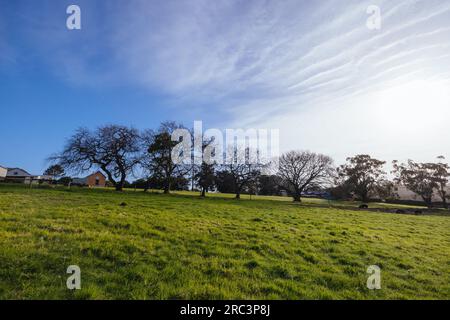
418,104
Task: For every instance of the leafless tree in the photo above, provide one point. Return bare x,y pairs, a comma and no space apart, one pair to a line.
113,149
300,171
241,167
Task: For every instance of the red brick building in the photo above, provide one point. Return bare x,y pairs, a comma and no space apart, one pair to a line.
95,180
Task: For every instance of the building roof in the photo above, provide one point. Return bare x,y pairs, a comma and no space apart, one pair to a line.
84,180
98,172
24,171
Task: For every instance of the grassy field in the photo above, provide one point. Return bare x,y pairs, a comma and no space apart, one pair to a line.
183,247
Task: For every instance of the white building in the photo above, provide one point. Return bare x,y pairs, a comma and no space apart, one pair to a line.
20,175
3,172
17,173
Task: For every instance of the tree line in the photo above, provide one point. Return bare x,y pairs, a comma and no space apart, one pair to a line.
122,152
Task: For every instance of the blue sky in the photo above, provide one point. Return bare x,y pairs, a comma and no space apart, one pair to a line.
309,68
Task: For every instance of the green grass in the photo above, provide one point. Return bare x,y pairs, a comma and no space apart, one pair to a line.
183,247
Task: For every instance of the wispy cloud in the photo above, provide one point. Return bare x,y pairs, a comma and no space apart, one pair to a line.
263,63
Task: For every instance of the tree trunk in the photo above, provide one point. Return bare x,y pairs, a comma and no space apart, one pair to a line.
121,183
297,194
428,202
238,196
167,188
147,185
111,179
203,192
364,197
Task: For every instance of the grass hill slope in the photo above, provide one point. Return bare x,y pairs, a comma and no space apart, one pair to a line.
136,245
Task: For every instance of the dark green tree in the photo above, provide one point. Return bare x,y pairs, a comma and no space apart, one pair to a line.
158,161
206,177
362,175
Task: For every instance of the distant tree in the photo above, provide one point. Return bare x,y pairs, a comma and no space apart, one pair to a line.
341,190
158,161
55,171
113,149
180,183
177,183
417,177
240,169
269,185
424,179
301,171
195,168
362,175
141,183
224,182
206,177
65,181
253,187
442,175
127,184
386,190
204,174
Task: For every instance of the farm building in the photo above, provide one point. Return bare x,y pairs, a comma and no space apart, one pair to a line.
17,173
97,179
21,175
3,173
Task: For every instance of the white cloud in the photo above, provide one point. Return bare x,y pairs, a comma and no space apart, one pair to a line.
308,68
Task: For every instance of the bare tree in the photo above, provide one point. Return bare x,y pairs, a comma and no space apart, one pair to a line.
302,170
362,174
113,149
241,168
